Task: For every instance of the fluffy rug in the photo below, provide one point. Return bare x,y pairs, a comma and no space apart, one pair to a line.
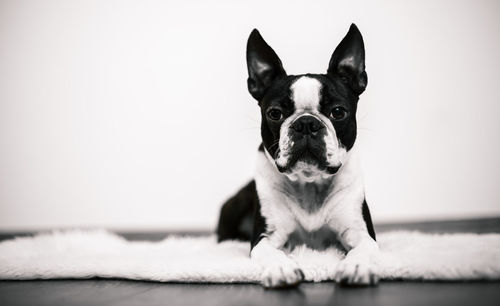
86,254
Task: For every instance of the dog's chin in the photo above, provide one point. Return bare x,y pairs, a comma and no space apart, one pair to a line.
308,168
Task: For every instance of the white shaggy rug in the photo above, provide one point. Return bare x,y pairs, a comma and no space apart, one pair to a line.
86,254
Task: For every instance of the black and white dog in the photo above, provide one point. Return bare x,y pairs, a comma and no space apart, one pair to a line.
308,188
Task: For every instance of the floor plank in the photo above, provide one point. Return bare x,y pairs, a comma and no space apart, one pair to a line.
131,293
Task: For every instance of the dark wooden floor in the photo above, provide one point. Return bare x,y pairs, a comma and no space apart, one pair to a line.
123,292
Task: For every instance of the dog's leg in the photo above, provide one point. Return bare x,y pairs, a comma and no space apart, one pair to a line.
278,270
356,268
271,233
235,213
349,217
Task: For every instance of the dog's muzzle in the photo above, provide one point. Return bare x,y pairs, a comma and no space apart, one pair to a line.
307,134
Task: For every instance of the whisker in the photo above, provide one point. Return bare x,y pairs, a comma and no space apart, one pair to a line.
273,144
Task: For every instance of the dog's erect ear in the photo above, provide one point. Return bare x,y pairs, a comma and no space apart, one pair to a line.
264,66
348,61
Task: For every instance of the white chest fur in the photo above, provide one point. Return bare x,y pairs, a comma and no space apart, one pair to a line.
287,205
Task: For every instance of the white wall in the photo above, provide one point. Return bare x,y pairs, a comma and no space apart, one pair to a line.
135,114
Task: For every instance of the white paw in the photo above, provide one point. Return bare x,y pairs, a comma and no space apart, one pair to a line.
357,272
283,273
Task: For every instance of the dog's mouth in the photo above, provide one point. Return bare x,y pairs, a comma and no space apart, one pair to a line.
307,156
310,159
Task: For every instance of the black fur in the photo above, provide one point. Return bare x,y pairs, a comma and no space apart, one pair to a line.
236,217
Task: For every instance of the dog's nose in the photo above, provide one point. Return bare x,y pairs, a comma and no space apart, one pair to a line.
307,125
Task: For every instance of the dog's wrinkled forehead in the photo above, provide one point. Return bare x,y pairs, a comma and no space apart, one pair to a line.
305,93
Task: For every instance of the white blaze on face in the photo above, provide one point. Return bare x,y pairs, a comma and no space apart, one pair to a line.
306,96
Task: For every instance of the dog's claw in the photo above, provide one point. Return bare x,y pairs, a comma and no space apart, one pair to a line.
300,274
355,273
282,276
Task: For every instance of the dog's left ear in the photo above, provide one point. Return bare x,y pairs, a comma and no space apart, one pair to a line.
264,65
348,61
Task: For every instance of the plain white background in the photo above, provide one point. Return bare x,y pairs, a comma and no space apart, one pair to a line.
135,114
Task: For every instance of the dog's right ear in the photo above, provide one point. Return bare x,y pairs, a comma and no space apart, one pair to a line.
264,66
348,61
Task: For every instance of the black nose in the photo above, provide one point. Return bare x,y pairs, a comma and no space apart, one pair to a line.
307,125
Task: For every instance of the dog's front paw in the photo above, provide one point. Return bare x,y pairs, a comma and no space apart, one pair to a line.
285,273
356,272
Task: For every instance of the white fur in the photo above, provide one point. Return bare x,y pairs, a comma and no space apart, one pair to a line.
278,268
85,254
306,93
283,214
341,211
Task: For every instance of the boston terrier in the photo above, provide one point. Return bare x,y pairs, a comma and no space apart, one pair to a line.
308,187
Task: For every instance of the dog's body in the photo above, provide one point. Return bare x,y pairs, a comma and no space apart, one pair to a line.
308,187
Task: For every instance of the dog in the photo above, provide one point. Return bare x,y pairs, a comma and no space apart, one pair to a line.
308,188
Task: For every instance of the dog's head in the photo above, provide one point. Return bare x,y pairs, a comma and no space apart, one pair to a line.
308,121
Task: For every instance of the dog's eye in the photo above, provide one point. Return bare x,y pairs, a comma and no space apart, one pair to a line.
275,114
338,113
